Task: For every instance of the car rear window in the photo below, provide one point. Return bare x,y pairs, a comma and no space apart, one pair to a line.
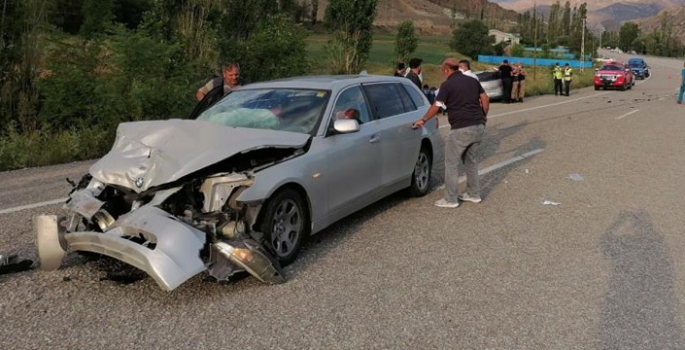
611,67
487,76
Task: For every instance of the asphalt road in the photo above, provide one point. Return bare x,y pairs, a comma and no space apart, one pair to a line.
604,269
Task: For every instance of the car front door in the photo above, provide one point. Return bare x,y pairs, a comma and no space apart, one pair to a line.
353,159
400,144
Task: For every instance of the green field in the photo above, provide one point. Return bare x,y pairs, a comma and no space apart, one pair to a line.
433,50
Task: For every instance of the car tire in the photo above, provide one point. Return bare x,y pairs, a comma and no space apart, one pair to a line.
421,176
596,87
623,87
285,225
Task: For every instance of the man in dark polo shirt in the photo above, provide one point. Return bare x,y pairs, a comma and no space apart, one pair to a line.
505,74
467,107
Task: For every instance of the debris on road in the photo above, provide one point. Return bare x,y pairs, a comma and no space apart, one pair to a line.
548,202
12,264
576,177
527,171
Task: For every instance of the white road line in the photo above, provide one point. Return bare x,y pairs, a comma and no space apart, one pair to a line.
31,206
497,166
551,104
627,114
538,107
461,179
548,105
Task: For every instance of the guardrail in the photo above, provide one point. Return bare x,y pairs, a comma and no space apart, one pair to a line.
540,62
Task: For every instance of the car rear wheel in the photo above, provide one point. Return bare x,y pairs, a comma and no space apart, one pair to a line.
420,179
285,225
596,87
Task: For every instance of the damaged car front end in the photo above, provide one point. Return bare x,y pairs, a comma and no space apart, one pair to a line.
172,216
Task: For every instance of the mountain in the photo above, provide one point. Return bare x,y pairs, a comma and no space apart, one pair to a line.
603,14
677,17
432,17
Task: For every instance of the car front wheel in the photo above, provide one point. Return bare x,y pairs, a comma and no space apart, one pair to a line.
421,176
285,225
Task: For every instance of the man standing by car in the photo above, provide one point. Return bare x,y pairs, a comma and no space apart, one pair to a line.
568,76
558,75
230,80
505,74
467,107
465,68
415,71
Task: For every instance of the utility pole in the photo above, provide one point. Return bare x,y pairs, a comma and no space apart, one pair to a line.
582,49
535,40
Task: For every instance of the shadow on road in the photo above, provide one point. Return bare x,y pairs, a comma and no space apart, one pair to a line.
641,310
334,235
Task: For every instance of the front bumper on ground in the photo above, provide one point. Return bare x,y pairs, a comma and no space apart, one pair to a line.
153,241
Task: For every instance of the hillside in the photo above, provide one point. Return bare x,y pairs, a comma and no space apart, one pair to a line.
431,17
677,17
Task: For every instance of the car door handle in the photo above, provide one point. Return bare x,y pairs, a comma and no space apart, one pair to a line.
375,138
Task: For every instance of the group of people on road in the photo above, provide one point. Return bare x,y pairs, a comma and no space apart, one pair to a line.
562,79
513,81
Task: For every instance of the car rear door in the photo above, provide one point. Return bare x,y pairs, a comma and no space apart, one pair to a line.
395,109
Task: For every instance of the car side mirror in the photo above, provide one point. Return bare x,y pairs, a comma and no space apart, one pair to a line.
346,126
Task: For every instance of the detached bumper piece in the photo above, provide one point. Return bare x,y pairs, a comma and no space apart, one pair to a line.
155,242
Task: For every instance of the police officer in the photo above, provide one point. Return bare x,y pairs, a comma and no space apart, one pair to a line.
568,73
558,74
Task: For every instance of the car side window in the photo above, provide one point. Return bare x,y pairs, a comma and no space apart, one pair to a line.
407,101
415,95
385,100
351,104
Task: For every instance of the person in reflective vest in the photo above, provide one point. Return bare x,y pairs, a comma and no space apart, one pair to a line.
558,74
568,76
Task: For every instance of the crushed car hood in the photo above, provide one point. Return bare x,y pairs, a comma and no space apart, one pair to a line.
152,153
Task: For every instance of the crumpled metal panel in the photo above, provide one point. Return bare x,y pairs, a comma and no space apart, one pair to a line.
174,259
84,203
218,189
151,153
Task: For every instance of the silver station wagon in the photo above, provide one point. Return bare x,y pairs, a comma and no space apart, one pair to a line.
240,187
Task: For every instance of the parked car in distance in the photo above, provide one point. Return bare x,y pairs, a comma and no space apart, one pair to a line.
239,188
614,75
491,82
639,67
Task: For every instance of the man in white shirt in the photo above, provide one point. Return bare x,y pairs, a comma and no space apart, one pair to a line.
465,68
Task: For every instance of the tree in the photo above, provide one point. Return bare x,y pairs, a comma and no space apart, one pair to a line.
275,50
97,16
406,41
578,28
351,24
22,51
566,19
518,50
554,23
244,38
315,11
627,35
472,39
